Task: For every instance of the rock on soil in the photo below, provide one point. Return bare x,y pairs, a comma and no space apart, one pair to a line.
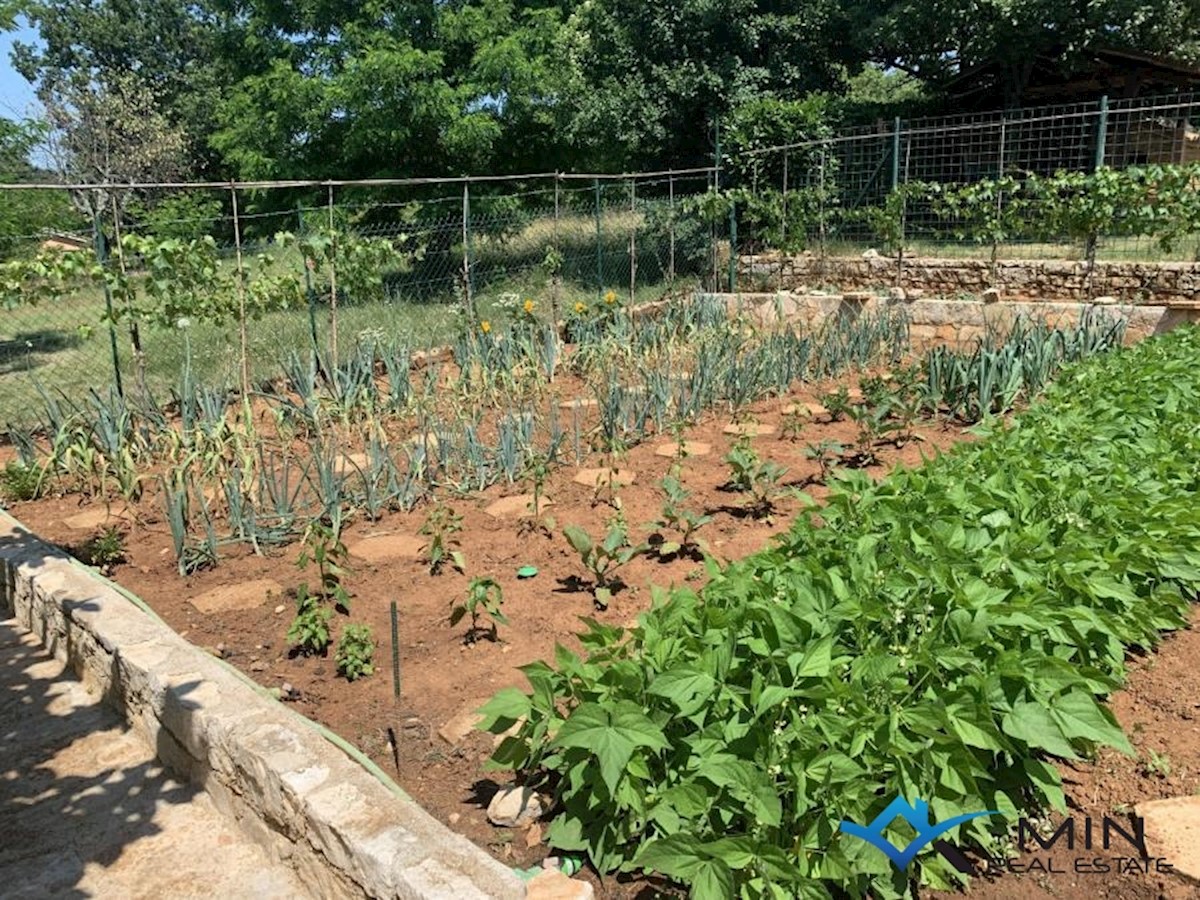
515,807
1173,833
91,519
384,547
462,723
246,595
516,507
554,885
691,448
752,429
602,476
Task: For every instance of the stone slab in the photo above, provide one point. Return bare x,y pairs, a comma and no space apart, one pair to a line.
515,507
581,403
348,463
1173,833
749,429
96,517
603,476
246,595
691,448
378,548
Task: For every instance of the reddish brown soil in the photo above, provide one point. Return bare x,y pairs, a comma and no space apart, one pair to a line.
442,675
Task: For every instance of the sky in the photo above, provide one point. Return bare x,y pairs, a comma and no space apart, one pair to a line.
16,94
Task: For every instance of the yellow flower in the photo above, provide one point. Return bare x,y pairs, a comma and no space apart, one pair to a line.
528,305
610,298
580,306
485,326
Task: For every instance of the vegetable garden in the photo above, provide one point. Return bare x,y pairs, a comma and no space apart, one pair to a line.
815,570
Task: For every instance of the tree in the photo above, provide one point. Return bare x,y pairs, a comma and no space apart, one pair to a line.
938,39
110,132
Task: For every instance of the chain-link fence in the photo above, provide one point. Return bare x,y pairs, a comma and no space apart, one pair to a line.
464,252
879,187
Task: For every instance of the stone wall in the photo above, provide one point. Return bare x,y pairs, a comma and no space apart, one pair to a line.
957,323
345,832
1126,282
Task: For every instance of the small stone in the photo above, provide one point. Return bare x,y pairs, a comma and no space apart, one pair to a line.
898,294
581,403
258,667
554,885
551,862
453,818
749,429
990,295
462,723
279,609
288,692
1106,301
870,253
533,836
515,807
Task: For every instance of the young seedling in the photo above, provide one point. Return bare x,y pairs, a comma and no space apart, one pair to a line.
752,475
105,550
837,403
602,559
678,518
538,470
873,423
441,527
484,598
355,653
794,420
323,547
309,632
827,454
21,482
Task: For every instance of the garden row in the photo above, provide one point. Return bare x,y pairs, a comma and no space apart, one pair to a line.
943,635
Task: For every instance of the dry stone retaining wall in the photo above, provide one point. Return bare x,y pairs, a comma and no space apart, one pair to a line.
957,323
1168,283
290,789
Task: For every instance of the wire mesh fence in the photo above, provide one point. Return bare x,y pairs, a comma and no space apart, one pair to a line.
866,187
462,253
466,252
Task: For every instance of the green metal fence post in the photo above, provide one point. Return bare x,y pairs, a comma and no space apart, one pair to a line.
101,257
599,244
309,293
1101,133
468,274
896,154
733,252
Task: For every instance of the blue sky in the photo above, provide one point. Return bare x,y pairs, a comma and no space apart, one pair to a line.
16,94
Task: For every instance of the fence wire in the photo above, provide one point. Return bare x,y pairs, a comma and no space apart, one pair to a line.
835,189
474,251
